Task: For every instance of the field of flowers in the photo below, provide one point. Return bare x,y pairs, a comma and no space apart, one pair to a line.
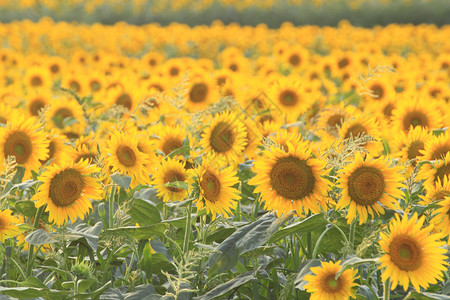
224,161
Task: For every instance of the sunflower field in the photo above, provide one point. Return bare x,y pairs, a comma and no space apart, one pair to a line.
222,160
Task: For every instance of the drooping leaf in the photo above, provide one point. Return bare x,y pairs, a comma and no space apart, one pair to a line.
228,286
143,232
26,208
144,212
312,223
41,237
121,180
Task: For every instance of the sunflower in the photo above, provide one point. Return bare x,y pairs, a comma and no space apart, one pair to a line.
38,77
412,254
361,125
8,226
37,102
201,93
8,113
290,179
366,184
287,95
170,139
331,119
23,139
225,137
325,285
409,146
442,217
437,192
63,109
125,157
253,138
151,60
213,181
58,150
435,174
67,189
296,57
414,112
380,89
56,65
437,147
168,171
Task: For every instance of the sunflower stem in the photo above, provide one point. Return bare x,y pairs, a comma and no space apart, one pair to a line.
340,230
111,207
352,232
187,232
387,290
319,240
30,262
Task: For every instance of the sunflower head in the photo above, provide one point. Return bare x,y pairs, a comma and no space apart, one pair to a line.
169,174
8,226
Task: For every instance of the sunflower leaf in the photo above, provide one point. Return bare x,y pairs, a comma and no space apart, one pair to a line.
426,296
41,237
144,212
177,184
353,262
312,223
121,180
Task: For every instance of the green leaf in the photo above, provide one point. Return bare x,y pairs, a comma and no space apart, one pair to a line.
123,181
145,291
41,237
143,232
228,286
90,233
220,234
147,194
353,262
305,269
245,239
32,292
26,208
177,184
33,282
312,223
144,212
426,296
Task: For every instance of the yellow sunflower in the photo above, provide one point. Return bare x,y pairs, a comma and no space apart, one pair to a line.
412,254
225,137
58,150
331,119
442,217
124,156
214,182
62,109
24,139
201,93
288,96
290,179
67,189
437,147
414,112
38,77
8,227
170,170
170,138
363,125
366,185
437,192
37,102
436,173
325,285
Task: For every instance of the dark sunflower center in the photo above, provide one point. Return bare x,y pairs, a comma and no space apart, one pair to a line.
156,86
415,118
210,186
343,63
66,188
366,186
171,144
3,120
172,176
233,67
54,68
36,81
442,171
95,85
174,71
288,98
292,178
440,152
355,131
387,111
435,92
198,92
60,115
441,195
414,148
221,80
331,285
335,120
126,156
152,62
36,106
18,144
125,101
378,90
294,60
222,137
405,253
74,85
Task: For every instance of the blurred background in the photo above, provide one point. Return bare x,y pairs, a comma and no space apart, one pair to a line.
365,13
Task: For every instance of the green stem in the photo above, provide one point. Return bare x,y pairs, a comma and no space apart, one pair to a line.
352,232
30,262
75,286
340,230
309,242
111,207
319,240
387,289
187,232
